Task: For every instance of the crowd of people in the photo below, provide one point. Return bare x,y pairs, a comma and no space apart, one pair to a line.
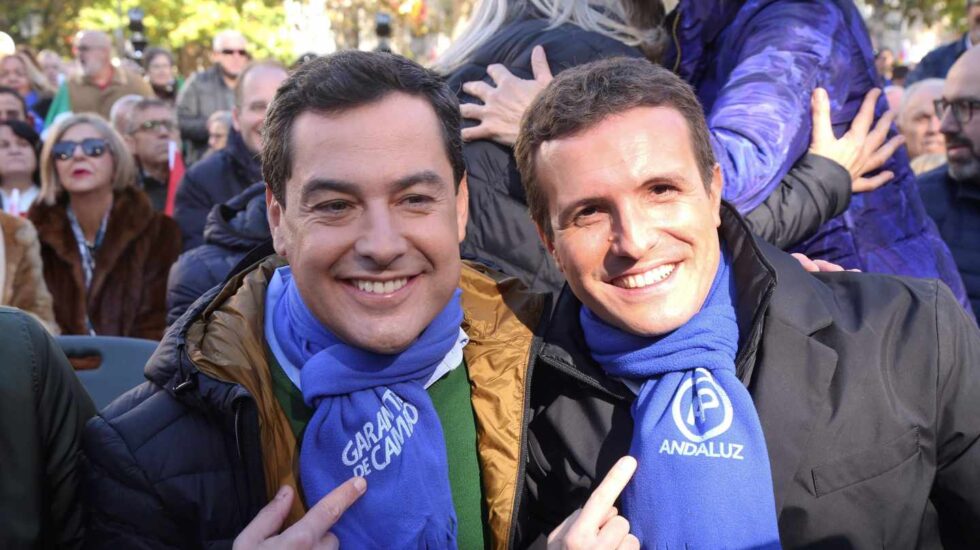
605,276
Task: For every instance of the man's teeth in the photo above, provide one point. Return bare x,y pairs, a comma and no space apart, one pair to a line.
379,287
651,277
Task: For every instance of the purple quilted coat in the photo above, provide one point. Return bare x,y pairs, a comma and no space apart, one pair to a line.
754,65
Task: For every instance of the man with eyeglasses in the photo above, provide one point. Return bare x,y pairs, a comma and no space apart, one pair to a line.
151,129
98,84
211,90
951,193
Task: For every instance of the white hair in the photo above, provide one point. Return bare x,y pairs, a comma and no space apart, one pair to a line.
610,18
912,90
120,111
225,34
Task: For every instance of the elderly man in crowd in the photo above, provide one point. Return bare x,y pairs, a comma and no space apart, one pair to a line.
98,84
150,133
917,121
764,406
951,193
211,90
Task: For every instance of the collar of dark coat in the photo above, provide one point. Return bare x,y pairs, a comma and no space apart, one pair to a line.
130,215
771,286
246,164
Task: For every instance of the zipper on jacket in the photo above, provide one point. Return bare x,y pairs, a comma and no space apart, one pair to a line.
246,429
522,454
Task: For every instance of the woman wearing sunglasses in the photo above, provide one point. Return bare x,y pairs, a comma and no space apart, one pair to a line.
106,252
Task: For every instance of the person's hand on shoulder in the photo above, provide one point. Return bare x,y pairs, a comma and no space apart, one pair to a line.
862,149
504,104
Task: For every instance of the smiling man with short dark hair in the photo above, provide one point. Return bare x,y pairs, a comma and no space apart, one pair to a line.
357,385
765,406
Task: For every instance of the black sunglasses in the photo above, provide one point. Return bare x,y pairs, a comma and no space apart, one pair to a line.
92,147
243,53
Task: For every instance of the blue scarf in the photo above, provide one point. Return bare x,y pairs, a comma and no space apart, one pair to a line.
703,479
373,418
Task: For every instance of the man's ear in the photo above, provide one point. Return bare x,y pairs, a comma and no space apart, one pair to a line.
274,213
234,118
462,208
717,185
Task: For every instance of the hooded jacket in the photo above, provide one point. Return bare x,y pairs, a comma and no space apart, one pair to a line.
867,388
213,180
232,230
500,232
754,65
209,394
128,292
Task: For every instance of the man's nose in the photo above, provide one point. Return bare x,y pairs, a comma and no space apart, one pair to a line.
381,239
632,234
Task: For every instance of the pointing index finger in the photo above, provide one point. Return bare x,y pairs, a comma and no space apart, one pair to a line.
605,495
320,518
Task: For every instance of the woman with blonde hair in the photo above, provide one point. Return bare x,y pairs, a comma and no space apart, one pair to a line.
106,252
19,72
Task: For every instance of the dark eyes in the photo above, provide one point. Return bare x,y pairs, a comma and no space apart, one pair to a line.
417,200
663,189
334,207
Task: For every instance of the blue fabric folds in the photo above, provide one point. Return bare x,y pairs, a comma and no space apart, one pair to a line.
703,479
373,418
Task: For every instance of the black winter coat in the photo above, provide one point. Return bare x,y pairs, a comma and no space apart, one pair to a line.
955,207
232,229
43,409
867,388
500,233
212,181
192,437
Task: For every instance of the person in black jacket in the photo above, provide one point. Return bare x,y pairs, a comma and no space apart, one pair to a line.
951,193
680,338
939,61
499,231
232,229
228,172
43,410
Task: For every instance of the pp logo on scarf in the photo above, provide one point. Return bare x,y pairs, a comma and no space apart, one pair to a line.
701,411
707,407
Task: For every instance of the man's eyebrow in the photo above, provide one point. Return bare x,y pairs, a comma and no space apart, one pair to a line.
317,185
426,177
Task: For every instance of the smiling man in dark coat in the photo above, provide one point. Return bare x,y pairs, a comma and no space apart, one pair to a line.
765,406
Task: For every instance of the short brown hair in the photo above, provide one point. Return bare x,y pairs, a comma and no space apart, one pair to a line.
582,97
123,167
